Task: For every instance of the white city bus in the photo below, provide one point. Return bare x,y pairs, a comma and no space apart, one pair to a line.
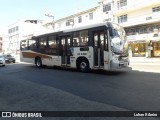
99,46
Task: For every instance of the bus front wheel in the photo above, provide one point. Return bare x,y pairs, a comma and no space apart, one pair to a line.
38,63
83,65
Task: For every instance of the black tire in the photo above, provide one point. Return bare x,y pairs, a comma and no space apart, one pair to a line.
83,65
38,63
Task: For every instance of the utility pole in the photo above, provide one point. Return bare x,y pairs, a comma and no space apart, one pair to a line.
52,19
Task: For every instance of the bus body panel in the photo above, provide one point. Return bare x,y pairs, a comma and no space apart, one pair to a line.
53,61
106,61
79,52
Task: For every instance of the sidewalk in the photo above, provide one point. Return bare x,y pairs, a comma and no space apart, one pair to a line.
144,60
145,64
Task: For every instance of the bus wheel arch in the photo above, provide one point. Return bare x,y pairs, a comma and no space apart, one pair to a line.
82,64
38,62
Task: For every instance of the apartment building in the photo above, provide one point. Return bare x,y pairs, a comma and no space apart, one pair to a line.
21,29
140,18
86,17
83,18
4,48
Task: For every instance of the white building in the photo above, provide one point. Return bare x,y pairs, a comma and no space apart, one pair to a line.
82,18
4,43
79,19
140,18
21,29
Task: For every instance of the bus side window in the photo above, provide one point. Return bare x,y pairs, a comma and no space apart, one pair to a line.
102,39
95,39
32,44
75,43
43,43
83,38
80,38
52,42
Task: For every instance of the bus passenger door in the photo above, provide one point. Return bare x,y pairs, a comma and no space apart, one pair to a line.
65,50
99,47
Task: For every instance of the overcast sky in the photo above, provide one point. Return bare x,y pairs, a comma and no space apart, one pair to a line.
13,10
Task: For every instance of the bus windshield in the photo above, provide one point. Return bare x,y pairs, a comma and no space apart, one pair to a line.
119,43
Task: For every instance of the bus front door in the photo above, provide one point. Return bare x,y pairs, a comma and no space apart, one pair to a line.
99,46
65,50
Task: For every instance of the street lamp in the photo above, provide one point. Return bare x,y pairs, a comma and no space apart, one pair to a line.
49,15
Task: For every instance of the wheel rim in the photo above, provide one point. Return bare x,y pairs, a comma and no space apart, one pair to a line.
83,65
38,63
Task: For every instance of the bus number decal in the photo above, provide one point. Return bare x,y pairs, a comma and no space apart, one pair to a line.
81,53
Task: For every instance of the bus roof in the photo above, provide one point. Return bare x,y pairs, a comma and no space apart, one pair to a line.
48,34
108,24
85,27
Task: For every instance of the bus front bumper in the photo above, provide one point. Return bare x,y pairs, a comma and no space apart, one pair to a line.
120,66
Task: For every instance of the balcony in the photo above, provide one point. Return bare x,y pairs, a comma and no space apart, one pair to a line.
135,6
145,19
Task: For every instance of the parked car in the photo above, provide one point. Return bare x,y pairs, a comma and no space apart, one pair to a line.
2,60
9,58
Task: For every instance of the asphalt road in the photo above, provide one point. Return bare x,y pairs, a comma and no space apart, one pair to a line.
23,87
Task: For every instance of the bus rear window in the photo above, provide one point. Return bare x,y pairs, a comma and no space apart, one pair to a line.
24,45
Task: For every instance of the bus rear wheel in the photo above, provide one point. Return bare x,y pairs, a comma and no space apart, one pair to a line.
38,63
83,65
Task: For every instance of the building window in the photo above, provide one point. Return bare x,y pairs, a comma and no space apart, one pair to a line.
122,19
142,30
12,30
152,28
156,9
17,28
106,7
69,22
156,49
130,31
91,16
121,3
80,19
